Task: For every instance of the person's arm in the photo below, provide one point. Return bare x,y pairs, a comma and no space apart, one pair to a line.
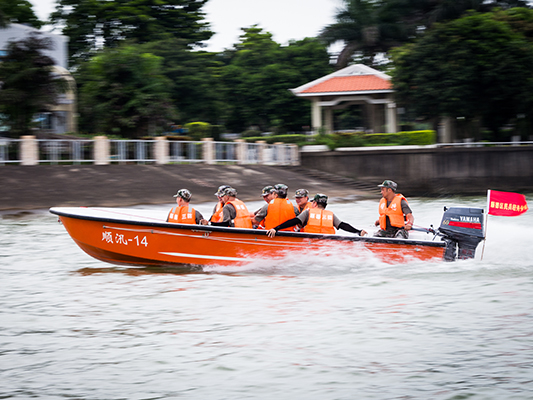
348,228
260,215
287,224
199,218
410,219
226,223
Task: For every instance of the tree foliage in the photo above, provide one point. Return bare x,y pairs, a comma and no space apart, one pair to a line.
28,82
18,11
370,27
478,66
193,77
124,92
257,77
92,24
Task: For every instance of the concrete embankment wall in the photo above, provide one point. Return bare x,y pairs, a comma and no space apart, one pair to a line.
44,186
433,171
418,172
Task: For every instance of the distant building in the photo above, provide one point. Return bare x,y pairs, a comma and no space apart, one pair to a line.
354,85
62,117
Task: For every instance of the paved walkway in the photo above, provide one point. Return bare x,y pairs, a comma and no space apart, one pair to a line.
44,186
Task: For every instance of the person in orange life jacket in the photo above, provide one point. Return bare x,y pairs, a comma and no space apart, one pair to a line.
217,210
301,197
317,220
268,194
234,213
183,213
278,210
395,215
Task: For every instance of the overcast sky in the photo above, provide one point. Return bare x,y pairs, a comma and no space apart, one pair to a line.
285,19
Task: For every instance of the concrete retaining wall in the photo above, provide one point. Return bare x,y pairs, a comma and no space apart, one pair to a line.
433,171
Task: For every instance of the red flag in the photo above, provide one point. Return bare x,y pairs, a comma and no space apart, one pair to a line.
506,204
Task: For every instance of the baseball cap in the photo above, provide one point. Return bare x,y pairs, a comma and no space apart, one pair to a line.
389,184
280,187
321,198
184,194
220,191
302,193
229,191
267,190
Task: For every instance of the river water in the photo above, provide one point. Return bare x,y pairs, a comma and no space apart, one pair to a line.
72,327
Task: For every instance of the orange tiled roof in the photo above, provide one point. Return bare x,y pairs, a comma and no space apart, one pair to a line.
350,84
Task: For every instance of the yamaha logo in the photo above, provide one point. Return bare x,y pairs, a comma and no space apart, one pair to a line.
474,220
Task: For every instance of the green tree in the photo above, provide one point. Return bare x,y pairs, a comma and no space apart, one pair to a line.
18,11
123,92
28,82
370,27
92,24
257,77
194,83
475,67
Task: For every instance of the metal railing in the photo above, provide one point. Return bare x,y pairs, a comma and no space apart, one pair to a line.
65,151
31,151
185,152
133,151
10,151
225,152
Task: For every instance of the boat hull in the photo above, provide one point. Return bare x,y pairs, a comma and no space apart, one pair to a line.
126,241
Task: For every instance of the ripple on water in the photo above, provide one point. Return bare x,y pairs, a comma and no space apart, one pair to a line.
313,327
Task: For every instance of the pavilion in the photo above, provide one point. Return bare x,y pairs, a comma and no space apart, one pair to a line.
354,85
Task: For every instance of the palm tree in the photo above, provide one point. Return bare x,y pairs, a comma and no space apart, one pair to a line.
358,26
371,27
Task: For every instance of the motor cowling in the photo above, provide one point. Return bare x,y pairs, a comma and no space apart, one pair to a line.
462,228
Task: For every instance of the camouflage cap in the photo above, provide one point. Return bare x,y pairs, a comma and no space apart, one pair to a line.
229,191
389,184
220,191
321,198
281,187
302,193
267,190
185,194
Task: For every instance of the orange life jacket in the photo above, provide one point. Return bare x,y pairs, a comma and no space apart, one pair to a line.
320,221
182,215
242,220
279,211
217,215
307,206
393,211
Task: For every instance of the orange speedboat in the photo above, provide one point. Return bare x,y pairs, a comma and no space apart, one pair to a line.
143,238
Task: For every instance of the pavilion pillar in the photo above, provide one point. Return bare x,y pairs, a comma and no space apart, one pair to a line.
390,118
316,115
446,130
328,117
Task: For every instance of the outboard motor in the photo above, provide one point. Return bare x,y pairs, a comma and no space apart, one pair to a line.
462,229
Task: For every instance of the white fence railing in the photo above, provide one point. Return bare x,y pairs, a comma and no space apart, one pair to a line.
31,151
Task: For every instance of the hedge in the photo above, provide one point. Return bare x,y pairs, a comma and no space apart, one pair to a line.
354,139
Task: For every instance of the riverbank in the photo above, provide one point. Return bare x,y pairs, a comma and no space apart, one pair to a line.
44,186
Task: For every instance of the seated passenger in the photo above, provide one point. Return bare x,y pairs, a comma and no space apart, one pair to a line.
234,213
301,197
268,194
395,215
183,214
317,220
217,210
279,210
